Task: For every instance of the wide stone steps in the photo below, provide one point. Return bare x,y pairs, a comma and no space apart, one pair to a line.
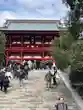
33,95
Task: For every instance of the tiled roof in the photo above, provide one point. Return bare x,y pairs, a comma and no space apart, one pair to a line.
32,25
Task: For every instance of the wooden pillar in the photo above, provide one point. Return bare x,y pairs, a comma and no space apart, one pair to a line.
21,38
21,41
43,41
44,38
10,41
7,44
21,56
6,57
43,54
52,37
30,40
34,39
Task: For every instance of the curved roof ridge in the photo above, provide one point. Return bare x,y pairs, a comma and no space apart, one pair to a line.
33,20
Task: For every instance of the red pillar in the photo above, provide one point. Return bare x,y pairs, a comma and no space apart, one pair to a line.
6,57
21,56
43,54
21,41
10,41
22,49
43,45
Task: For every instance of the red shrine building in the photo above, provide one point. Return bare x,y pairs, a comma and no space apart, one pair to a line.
29,39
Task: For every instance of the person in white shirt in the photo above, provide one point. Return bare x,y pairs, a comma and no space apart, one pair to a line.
54,66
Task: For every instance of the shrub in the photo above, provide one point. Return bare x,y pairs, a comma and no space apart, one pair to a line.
61,50
76,74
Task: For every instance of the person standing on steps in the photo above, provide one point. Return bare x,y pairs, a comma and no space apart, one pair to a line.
6,83
61,105
26,69
54,77
54,65
54,74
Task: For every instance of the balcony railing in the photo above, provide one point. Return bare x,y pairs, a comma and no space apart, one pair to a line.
29,58
23,43
28,49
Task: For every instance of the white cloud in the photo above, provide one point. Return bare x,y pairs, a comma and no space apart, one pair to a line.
46,12
45,7
6,15
32,9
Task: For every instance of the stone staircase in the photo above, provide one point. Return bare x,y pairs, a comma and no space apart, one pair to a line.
33,95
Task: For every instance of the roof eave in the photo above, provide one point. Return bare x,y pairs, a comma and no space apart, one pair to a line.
32,21
27,30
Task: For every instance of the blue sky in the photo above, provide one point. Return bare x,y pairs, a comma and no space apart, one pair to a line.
31,9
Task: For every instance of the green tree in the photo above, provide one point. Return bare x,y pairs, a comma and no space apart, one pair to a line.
76,74
76,12
71,3
2,46
61,53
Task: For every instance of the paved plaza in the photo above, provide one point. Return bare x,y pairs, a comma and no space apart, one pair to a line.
33,95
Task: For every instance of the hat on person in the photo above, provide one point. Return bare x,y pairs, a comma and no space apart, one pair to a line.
61,98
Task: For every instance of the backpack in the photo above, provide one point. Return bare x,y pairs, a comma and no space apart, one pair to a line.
61,106
48,76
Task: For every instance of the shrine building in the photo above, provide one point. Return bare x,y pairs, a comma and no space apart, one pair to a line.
29,39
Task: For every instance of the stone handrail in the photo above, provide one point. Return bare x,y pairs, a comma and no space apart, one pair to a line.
77,84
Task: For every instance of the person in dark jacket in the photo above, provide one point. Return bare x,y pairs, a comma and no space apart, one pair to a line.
54,77
2,75
5,83
38,65
26,69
